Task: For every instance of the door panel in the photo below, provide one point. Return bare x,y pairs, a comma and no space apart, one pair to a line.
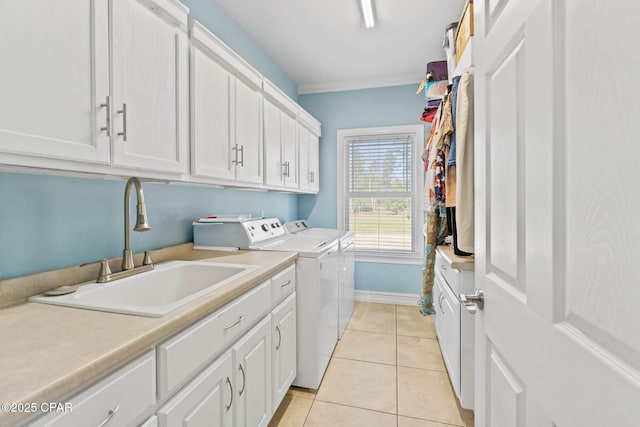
211,139
272,148
507,407
554,251
248,131
252,373
54,78
152,83
503,138
283,341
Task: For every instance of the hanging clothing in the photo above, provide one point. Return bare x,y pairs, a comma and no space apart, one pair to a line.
455,82
464,163
435,229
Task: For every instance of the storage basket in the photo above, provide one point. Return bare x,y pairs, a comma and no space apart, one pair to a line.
465,29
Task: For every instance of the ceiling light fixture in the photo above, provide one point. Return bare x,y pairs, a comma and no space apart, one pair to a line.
367,13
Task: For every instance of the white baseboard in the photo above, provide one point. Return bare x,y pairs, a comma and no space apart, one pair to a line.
387,297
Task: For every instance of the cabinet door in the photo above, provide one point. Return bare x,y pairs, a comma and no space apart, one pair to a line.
150,84
252,376
303,159
289,142
273,168
248,132
207,401
314,163
54,78
283,342
448,329
211,154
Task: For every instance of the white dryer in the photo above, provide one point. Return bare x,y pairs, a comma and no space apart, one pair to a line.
346,281
317,276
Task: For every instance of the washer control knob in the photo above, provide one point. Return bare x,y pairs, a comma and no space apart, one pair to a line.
265,227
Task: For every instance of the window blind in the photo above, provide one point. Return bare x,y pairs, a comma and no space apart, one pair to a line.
379,192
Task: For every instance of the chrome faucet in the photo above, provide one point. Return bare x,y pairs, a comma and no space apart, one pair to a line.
142,224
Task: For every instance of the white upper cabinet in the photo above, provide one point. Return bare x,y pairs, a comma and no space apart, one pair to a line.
150,85
280,138
53,80
309,146
94,82
226,113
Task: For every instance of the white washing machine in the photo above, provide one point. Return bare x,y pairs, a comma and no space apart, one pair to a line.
317,276
346,284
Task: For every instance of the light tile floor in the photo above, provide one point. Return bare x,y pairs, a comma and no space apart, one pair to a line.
387,370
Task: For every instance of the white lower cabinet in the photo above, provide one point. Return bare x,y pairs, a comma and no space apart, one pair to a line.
252,373
231,368
207,401
283,337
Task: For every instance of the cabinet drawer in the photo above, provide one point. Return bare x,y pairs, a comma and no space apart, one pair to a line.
450,275
182,356
126,397
283,284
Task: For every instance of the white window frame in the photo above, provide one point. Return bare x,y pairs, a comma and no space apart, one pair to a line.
416,256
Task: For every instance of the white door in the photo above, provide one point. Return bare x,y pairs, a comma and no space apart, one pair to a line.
150,89
289,150
206,401
248,132
283,343
211,153
252,374
54,79
557,229
273,168
314,162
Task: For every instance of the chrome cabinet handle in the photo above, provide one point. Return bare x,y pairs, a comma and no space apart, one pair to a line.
279,337
230,388
234,324
286,284
241,150
473,302
123,134
112,412
440,302
244,380
107,106
312,177
288,171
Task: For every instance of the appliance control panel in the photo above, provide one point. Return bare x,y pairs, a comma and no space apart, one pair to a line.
263,229
296,226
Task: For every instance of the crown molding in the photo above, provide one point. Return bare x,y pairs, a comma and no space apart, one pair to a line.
368,83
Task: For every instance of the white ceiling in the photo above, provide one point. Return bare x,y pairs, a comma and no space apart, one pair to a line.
323,44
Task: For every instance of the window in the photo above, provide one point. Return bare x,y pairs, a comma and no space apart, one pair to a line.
379,191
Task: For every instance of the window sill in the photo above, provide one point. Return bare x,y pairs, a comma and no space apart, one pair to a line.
409,259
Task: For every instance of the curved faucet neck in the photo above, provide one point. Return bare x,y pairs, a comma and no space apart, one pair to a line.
141,222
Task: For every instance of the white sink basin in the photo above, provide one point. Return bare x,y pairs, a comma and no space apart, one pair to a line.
153,293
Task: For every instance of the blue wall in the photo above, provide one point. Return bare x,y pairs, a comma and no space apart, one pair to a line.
51,221
211,15
388,106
